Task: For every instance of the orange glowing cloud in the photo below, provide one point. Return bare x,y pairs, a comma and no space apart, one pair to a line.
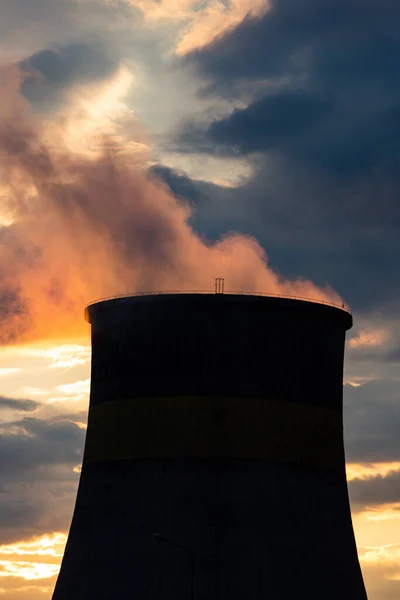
28,570
368,470
38,558
386,556
369,339
93,224
202,22
216,20
385,512
45,545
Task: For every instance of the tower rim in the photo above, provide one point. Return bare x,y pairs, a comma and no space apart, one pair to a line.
277,300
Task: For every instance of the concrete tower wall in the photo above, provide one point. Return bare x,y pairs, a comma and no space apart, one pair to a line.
215,420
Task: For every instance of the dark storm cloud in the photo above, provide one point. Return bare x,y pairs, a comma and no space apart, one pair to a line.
322,131
268,121
339,38
18,404
342,146
178,182
38,484
307,225
372,421
376,490
343,49
31,507
31,444
53,70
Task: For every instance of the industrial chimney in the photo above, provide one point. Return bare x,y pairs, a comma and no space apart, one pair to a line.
214,465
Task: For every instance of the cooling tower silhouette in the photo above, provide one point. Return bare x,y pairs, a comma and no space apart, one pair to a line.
214,465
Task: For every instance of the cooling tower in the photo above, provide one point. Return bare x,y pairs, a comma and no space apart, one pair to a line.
214,466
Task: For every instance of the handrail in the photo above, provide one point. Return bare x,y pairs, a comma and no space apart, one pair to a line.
342,306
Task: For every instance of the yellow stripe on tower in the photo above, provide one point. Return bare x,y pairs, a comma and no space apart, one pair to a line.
204,427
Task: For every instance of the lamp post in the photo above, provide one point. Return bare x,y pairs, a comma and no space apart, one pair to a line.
160,538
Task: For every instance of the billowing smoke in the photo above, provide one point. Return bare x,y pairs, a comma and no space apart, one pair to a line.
83,225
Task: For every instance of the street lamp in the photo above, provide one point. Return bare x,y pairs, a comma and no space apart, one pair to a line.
160,538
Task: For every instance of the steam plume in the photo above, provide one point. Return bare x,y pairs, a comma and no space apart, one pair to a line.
83,225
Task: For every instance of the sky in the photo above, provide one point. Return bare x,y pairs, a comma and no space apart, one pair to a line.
155,145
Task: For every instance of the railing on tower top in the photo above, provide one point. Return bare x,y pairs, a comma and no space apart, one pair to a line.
219,289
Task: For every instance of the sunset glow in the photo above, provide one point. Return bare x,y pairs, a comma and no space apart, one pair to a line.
27,570
201,23
388,555
367,339
47,545
38,558
150,145
367,470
